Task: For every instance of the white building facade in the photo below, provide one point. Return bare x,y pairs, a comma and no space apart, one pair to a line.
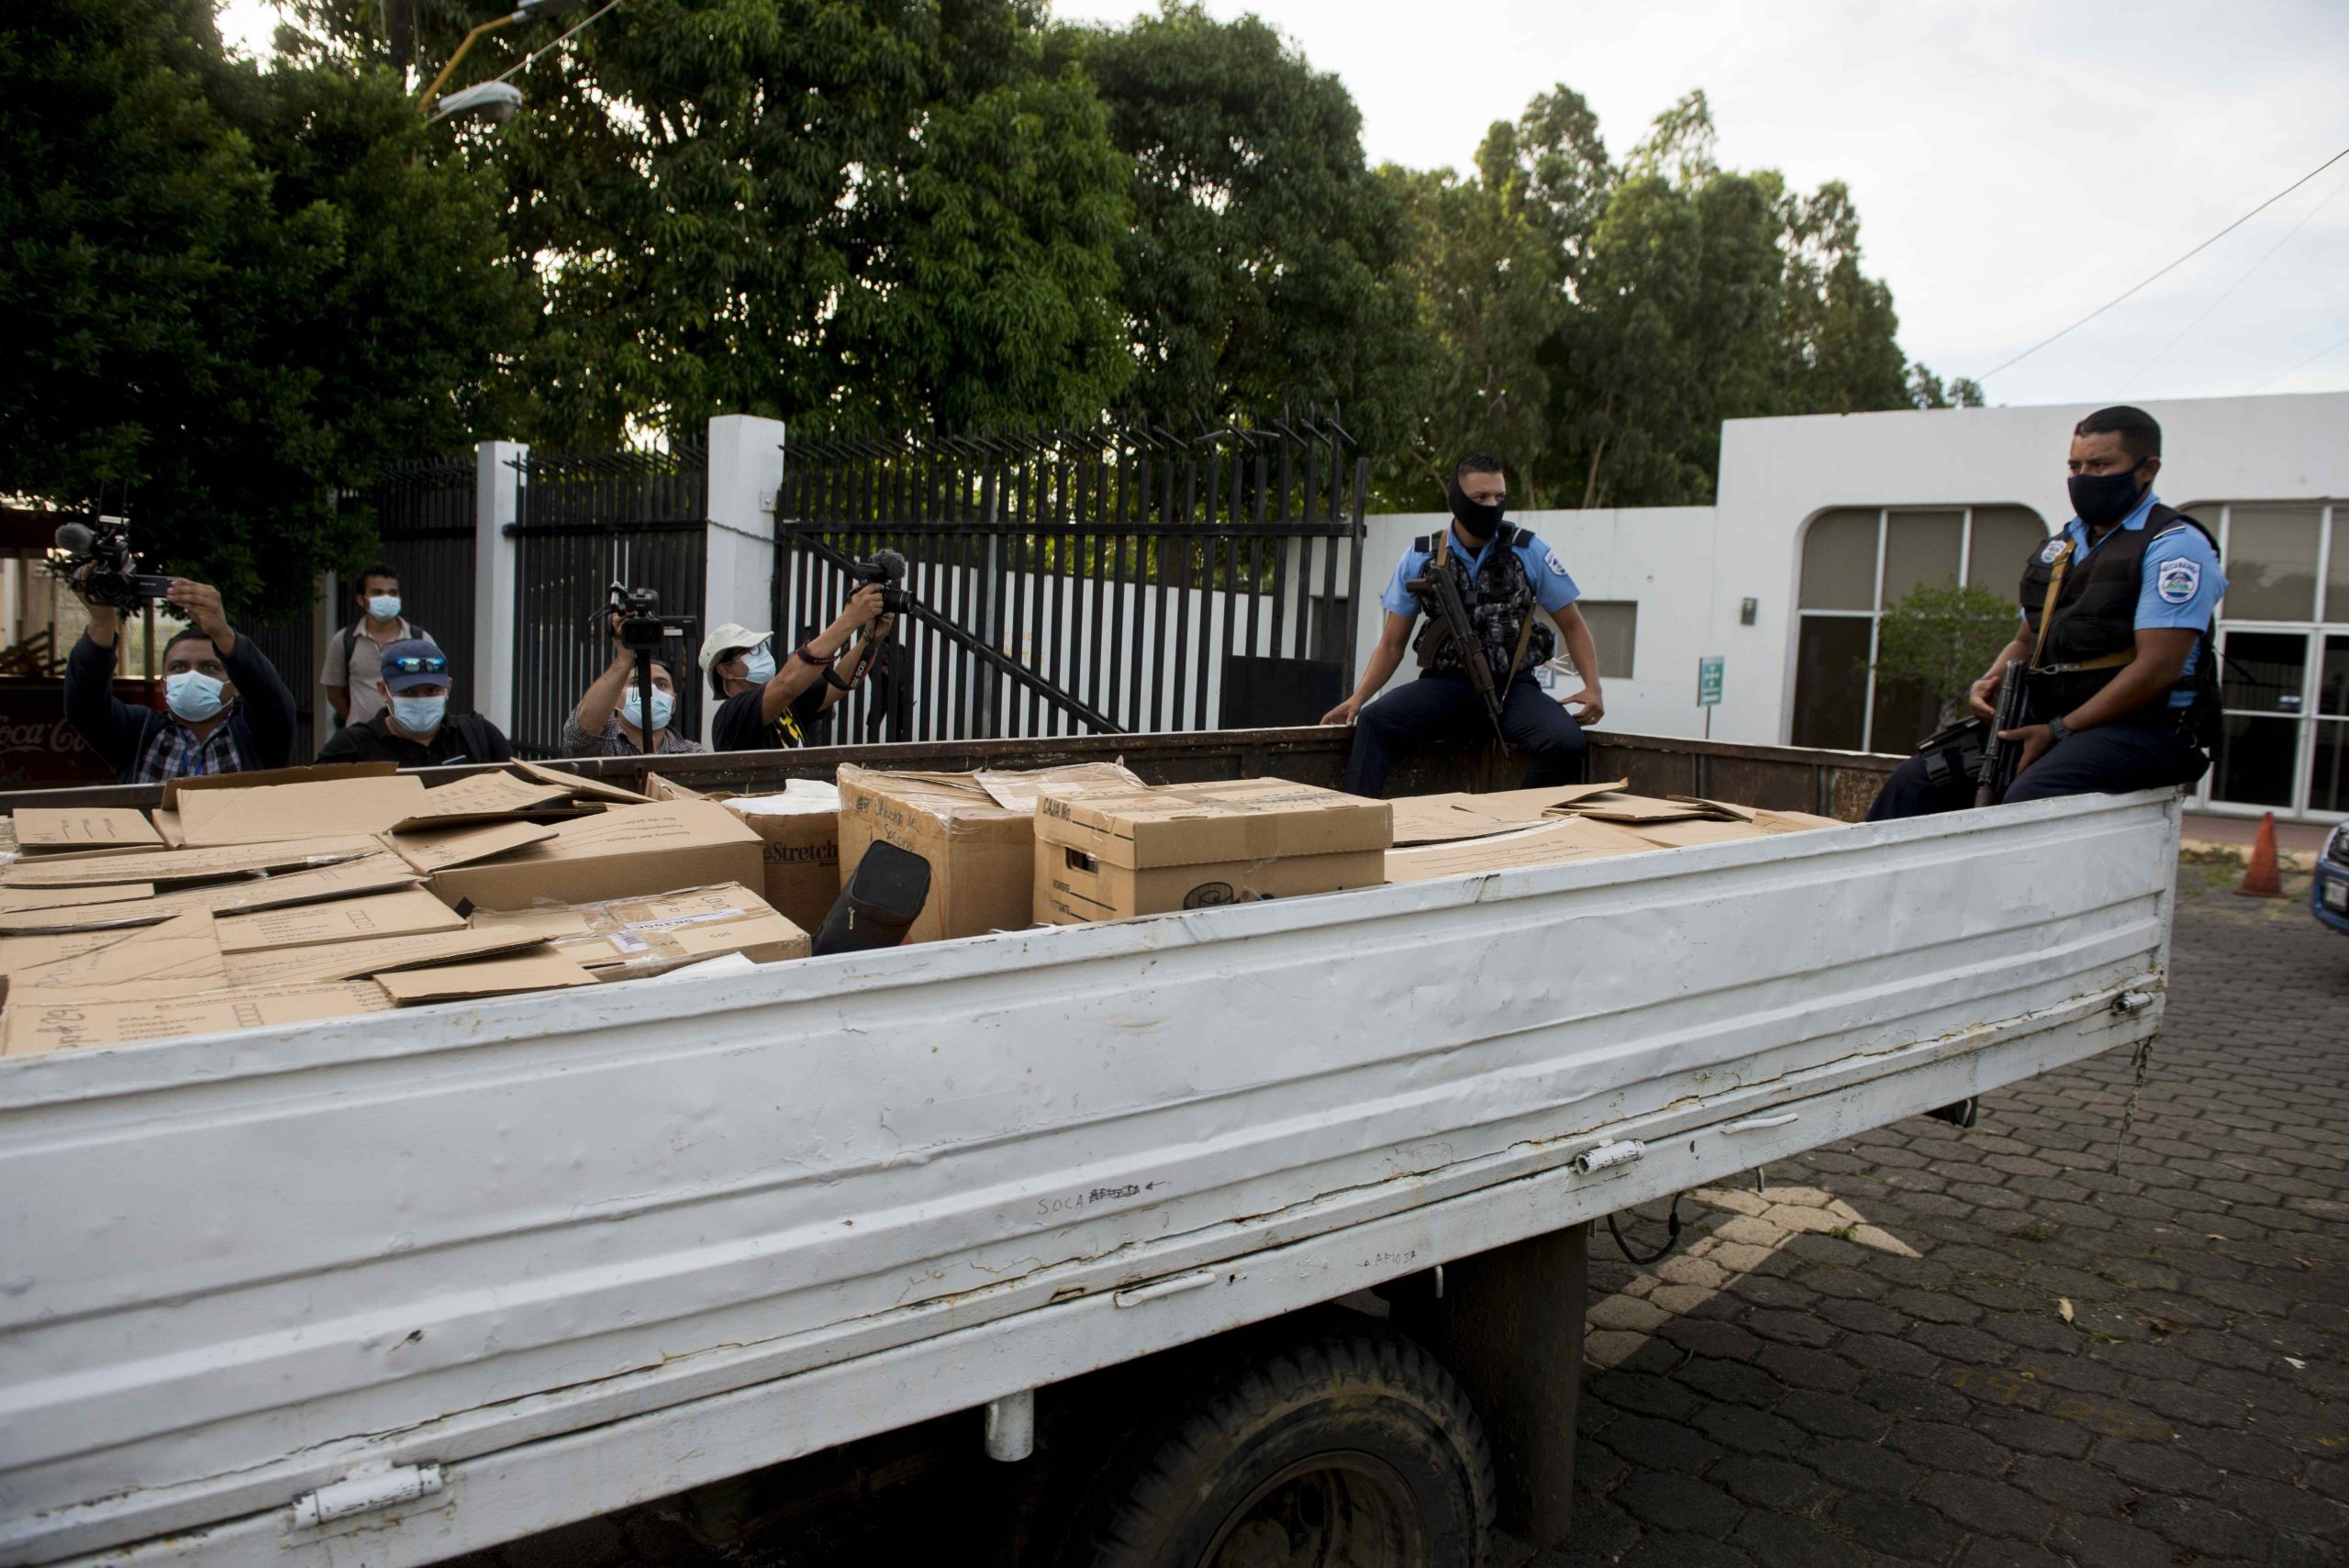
1823,521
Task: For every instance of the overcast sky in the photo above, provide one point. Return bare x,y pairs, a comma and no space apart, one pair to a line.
2015,162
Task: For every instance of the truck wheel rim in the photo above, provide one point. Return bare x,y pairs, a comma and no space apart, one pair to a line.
1344,1509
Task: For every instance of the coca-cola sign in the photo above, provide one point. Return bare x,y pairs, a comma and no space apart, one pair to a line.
37,747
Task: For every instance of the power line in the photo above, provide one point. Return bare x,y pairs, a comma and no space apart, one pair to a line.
2265,256
2156,277
531,58
2304,364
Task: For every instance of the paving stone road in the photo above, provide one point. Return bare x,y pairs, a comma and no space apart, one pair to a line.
2107,1327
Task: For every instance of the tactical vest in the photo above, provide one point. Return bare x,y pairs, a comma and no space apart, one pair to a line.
2096,614
1498,596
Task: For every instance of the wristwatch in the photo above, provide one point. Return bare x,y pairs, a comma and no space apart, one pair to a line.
2056,728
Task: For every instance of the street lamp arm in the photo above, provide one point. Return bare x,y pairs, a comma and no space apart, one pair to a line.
431,95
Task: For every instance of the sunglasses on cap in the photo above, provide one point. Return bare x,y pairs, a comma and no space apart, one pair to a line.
417,664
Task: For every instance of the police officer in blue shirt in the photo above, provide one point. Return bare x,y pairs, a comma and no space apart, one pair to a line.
1502,573
2125,689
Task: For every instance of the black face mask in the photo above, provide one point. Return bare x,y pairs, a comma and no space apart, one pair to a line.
2103,499
1477,520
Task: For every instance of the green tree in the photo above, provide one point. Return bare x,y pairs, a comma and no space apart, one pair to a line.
900,210
239,289
1265,263
1941,638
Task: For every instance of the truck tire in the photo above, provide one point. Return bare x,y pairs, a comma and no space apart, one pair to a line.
1343,1449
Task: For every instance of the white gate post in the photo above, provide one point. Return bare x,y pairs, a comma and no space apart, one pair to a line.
745,472
497,497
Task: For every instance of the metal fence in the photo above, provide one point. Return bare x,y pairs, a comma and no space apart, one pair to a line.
291,645
1073,581
425,517
585,520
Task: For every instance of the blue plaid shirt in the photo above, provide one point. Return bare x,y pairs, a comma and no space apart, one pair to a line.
172,752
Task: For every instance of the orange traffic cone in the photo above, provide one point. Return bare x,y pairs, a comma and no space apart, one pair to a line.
2259,879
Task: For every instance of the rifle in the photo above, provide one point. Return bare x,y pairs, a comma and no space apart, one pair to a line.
2001,761
2000,758
1451,624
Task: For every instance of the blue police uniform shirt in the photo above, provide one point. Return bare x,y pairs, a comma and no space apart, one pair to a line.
1552,589
2181,584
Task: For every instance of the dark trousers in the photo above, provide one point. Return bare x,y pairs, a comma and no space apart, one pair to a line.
1446,710
2111,759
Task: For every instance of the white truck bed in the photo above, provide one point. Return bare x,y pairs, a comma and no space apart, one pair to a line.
583,1248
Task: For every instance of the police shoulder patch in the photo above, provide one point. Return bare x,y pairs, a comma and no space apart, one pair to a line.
2177,580
1549,559
2054,548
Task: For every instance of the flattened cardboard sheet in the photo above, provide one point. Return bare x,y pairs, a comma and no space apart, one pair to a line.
579,783
539,969
180,956
40,1024
1551,843
479,797
403,912
1440,818
314,773
380,872
355,960
272,813
41,827
169,867
437,848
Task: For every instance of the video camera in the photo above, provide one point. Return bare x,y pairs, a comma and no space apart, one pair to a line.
642,627
888,569
113,580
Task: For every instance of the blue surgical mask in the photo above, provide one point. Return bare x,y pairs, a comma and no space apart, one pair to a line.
384,607
758,665
193,697
662,706
420,715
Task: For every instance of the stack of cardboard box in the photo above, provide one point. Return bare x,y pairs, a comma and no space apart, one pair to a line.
313,894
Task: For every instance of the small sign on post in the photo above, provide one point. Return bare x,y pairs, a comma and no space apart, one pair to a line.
1708,687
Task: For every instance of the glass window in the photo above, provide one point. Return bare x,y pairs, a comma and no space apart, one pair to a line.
2254,762
2264,672
2271,562
1615,628
2329,771
1831,682
2005,539
1921,550
1839,561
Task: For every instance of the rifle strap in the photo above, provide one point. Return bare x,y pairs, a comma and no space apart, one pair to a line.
1524,640
2063,564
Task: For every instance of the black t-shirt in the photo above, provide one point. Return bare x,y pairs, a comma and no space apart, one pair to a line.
462,738
736,726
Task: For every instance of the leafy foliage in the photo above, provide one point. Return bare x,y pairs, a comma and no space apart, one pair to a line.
1265,264
248,288
1941,637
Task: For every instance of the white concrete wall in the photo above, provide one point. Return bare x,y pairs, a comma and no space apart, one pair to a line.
1690,567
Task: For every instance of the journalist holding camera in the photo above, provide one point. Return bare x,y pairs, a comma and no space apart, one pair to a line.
227,708
612,717
765,703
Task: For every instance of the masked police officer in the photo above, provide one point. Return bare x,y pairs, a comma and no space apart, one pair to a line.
2124,690
1501,574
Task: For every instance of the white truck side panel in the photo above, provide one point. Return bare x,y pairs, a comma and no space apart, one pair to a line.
850,1193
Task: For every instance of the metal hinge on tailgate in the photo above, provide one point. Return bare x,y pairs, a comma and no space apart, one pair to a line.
363,1492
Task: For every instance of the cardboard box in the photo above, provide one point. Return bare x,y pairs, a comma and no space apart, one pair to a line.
626,851
1246,819
41,827
312,773
982,855
537,969
171,867
1020,790
272,813
378,872
1074,889
799,830
359,960
40,1024
626,939
1548,843
1110,856
403,912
